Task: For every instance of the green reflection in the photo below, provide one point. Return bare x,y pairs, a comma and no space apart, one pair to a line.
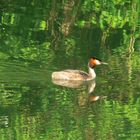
41,36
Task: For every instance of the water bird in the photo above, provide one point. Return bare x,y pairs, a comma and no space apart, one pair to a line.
78,75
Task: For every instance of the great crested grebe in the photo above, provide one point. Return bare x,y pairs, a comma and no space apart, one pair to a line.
77,74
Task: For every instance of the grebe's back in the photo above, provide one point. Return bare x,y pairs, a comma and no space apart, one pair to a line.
70,75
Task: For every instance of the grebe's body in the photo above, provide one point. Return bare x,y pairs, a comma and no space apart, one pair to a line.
77,74
74,75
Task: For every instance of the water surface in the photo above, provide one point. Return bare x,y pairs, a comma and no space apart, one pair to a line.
33,107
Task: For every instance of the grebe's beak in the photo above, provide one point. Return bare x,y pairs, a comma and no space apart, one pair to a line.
104,63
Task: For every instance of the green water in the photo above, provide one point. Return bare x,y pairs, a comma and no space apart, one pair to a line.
33,107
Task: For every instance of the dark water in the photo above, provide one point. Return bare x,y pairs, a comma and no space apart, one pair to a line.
33,107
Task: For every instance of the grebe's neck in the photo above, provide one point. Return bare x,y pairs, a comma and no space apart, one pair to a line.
92,73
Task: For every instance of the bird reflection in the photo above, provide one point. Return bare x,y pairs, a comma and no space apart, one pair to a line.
78,84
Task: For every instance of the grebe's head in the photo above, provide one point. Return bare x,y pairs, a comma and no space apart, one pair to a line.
94,62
